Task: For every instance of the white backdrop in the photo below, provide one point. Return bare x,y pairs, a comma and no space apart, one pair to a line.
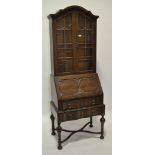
133,73
102,8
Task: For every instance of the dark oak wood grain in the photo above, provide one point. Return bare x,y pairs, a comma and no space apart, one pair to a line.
78,86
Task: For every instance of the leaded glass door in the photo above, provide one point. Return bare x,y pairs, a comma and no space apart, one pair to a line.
85,43
74,43
64,44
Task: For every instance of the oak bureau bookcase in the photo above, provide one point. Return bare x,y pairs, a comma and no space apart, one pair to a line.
75,85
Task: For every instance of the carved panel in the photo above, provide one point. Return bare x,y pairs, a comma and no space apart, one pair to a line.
77,86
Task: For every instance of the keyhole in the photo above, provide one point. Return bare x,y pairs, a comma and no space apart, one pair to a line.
79,35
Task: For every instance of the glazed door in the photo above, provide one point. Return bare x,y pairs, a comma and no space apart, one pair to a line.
64,44
86,40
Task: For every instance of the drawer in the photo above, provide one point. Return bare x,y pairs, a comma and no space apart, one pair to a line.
82,113
81,103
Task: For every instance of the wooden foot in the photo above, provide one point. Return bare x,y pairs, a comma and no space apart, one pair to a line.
59,147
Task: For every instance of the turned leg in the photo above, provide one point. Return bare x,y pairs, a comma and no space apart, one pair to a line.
59,136
53,128
91,122
102,127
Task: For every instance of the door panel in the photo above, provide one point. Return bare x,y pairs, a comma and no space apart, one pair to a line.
89,23
64,44
68,36
61,53
60,37
89,52
81,21
85,65
60,23
85,43
68,21
65,66
89,37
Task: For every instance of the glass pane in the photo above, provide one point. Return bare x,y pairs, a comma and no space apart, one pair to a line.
89,24
89,37
60,37
89,45
68,36
64,45
81,45
68,21
81,52
85,65
60,52
89,51
68,53
64,53
60,23
85,52
81,21
65,66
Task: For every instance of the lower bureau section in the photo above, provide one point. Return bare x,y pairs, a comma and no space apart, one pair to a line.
81,113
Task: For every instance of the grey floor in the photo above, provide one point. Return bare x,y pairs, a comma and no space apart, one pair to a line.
79,143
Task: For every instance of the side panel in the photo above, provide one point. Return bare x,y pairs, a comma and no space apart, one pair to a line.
52,44
53,91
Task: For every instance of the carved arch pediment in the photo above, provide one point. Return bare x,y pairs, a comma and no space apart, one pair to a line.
72,8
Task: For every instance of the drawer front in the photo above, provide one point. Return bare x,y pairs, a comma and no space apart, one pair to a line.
81,103
82,113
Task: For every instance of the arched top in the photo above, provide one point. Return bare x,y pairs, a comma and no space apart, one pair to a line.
72,8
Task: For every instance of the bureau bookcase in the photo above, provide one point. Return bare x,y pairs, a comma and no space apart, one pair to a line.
75,85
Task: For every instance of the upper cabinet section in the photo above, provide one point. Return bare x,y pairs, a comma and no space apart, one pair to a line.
73,33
